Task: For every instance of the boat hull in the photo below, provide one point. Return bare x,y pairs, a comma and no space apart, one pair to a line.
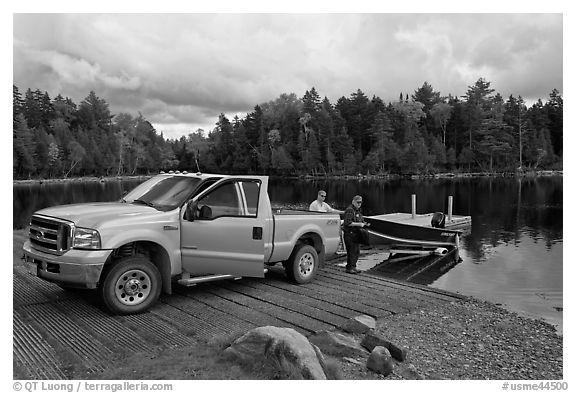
387,232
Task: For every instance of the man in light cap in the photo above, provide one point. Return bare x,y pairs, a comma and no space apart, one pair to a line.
353,219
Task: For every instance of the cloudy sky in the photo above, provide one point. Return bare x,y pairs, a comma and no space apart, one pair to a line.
182,70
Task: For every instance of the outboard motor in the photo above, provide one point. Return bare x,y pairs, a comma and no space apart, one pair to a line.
438,220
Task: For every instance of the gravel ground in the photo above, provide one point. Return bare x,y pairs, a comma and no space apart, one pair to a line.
470,340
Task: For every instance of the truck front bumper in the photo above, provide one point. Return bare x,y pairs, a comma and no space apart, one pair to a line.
75,268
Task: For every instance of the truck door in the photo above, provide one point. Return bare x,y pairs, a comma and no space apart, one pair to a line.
223,232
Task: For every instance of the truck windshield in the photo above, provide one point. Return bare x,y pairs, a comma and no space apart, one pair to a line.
163,192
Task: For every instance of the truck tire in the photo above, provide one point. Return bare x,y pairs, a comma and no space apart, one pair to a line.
131,285
303,265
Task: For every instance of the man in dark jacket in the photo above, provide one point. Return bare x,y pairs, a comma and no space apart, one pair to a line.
353,220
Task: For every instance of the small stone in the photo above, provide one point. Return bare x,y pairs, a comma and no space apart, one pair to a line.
380,361
337,344
352,360
359,324
373,339
409,372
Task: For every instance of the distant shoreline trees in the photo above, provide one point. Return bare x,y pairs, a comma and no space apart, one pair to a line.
423,133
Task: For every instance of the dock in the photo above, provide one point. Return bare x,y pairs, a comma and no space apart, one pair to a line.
454,222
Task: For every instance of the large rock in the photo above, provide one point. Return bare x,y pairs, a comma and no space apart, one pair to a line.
373,339
285,347
380,361
337,344
359,324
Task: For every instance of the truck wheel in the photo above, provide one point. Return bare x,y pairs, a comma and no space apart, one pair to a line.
131,285
303,265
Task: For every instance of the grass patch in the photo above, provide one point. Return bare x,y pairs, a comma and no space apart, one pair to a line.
198,362
202,361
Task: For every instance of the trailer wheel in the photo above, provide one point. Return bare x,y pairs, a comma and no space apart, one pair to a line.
131,285
303,265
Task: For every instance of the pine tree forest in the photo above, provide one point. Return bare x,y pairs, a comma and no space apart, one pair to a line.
421,133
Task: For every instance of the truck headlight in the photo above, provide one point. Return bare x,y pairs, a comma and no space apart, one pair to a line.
86,238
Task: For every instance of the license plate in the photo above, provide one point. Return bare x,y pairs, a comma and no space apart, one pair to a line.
31,266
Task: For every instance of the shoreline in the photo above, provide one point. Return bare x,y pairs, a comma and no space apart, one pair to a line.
445,175
366,263
101,179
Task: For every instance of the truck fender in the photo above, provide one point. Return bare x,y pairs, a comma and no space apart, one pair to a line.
168,263
313,239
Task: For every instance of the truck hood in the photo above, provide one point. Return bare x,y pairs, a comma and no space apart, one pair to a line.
94,215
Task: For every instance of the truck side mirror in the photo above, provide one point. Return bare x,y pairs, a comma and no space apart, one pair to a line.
205,212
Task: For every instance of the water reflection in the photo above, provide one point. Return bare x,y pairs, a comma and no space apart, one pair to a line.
502,209
423,270
27,198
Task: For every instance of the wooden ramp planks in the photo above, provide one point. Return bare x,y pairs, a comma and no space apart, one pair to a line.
59,333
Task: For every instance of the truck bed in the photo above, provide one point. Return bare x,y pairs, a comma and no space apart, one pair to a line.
292,224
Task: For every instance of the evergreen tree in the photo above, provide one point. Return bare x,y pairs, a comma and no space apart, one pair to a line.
343,150
479,101
242,157
23,144
515,116
223,145
32,109
495,140
539,150
383,148
555,109
355,111
311,101
427,97
65,109
41,154
47,110
93,113
17,106
456,136
438,154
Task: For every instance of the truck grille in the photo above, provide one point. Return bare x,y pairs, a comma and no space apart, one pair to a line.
50,235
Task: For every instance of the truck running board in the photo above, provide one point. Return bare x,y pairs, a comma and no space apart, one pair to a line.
191,281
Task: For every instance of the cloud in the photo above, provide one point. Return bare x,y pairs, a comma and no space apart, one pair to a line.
188,68
80,73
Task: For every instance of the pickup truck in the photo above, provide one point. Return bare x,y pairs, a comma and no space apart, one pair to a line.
176,227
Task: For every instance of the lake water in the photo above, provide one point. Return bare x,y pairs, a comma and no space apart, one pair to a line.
511,254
